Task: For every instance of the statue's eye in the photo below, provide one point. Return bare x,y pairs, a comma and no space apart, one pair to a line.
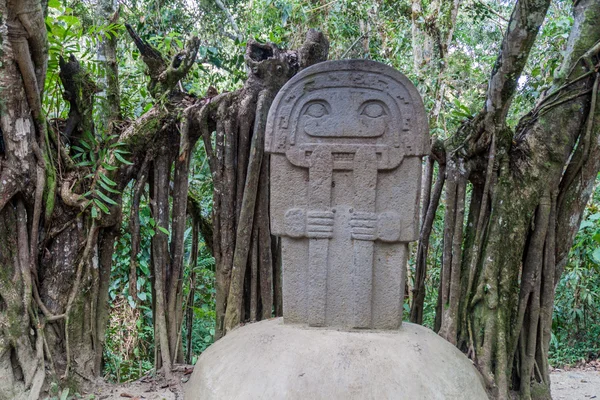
373,110
316,110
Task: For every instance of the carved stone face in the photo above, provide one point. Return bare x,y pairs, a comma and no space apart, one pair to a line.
345,110
346,113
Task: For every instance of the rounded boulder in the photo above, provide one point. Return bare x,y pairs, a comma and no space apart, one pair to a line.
272,360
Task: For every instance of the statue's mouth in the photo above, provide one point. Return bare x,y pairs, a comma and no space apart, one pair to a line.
361,127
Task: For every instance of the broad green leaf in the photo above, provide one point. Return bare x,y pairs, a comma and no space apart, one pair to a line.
596,255
594,217
586,224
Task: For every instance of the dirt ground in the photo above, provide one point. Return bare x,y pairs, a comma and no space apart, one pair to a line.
147,388
575,384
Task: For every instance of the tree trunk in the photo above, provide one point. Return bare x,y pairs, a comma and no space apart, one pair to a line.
240,200
57,232
519,241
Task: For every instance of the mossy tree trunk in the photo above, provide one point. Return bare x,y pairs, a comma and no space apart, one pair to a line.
60,217
247,275
502,261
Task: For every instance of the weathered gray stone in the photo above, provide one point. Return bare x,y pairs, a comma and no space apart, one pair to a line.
272,360
346,140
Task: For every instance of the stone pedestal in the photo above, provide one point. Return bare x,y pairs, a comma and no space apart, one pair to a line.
346,140
271,360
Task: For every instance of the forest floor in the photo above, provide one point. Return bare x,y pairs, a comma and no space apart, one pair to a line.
571,384
146,388
580,383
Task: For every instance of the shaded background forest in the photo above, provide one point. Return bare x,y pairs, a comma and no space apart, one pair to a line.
452,80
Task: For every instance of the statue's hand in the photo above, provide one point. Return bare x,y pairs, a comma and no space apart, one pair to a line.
363,225
319,224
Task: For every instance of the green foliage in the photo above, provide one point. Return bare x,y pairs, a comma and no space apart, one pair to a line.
68,33
203,326
96,153
576,318
129,350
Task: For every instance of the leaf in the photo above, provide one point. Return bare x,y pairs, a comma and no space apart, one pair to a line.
594,217
120,158
147,107
586,224
144,268
107,180
64,394
109,167
102,206
88,135
596,255
163,230
85,144
69,19
131,302
105,197
107,188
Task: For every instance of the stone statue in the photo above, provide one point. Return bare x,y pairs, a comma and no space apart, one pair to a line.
346,142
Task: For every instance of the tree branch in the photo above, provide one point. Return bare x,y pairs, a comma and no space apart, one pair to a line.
163,77
523,27
231,20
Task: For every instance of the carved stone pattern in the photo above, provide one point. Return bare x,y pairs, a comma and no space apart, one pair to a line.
346,140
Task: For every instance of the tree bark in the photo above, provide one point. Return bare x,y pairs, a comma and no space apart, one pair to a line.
519,241
240,198
56,269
